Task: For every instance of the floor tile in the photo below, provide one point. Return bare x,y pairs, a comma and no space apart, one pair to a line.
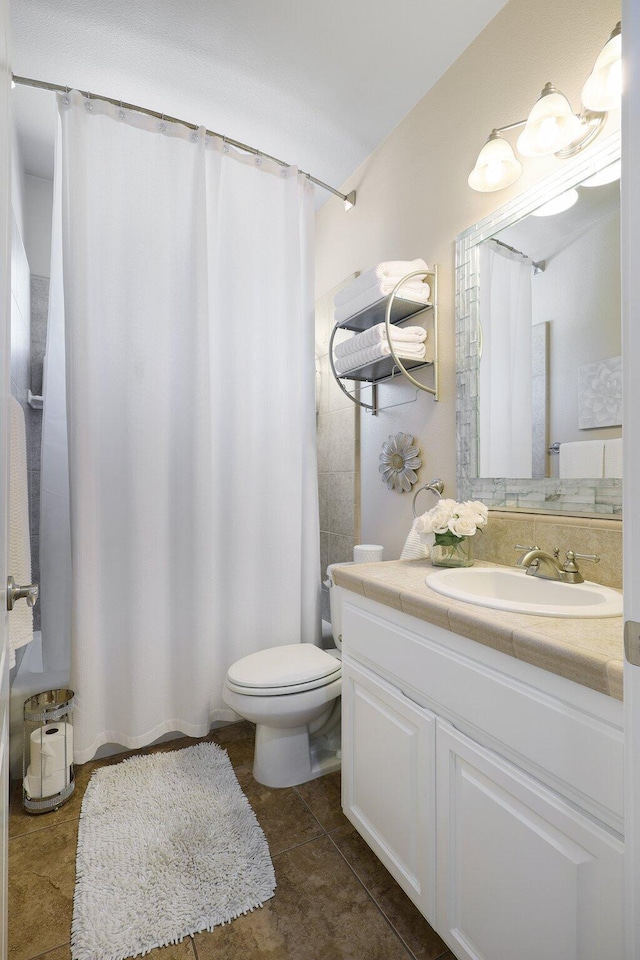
41,882
178,951
21,822
323,798
236,738
319,912
62,953
404,917
285,819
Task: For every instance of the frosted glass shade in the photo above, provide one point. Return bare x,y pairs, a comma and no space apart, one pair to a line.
558,205
496,166
603,88
551,125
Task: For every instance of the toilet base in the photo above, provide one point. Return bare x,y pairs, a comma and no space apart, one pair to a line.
285,758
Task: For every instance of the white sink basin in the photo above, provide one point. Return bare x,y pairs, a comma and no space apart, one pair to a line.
504,588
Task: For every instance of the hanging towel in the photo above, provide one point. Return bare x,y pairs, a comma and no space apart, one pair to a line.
406,351
21,617
399,335
613,458
581,459
387,273
415,547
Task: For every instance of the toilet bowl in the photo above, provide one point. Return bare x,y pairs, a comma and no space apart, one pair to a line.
292,694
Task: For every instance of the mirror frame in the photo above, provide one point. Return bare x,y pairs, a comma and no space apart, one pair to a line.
602,498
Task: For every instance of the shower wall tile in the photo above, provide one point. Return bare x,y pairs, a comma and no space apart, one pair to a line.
337,425
39,310
324,480
340,548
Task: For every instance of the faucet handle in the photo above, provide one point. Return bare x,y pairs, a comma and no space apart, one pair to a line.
572,557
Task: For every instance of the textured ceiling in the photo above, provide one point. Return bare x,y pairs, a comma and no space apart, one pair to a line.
319,85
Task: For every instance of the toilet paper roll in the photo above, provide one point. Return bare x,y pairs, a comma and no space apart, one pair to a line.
51,749
48,786
368,553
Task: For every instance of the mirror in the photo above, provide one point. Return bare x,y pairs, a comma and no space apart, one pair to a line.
538,345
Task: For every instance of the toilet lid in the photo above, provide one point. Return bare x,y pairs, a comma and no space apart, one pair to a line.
286,666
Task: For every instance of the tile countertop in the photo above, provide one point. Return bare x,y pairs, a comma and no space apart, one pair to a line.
587,651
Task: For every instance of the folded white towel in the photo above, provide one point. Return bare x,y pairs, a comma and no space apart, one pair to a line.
378,333
388,272
406,351
21,617
418,293
613,458
415,547
581,459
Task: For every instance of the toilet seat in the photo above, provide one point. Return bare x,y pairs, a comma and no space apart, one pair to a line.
288,669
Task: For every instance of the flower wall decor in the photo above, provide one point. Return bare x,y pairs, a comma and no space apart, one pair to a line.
600,397
398,462
453,525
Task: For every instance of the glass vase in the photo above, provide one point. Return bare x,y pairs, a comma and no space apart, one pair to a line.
459,553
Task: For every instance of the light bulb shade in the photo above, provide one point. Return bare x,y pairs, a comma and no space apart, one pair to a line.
603,89
496,166
551,125
559,204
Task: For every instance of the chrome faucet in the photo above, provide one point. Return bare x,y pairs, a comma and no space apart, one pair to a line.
547,566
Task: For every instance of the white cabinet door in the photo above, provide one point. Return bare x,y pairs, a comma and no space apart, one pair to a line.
388,789
521,874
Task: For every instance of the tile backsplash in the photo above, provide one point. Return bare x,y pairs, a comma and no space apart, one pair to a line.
602,537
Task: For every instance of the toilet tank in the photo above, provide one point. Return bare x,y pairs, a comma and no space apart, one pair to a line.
335,599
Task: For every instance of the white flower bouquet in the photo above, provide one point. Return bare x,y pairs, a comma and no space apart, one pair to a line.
451,524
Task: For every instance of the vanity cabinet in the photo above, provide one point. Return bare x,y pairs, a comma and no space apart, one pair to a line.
389,780
520,872
491,790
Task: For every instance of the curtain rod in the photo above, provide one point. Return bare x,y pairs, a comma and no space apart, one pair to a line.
538,265
349,198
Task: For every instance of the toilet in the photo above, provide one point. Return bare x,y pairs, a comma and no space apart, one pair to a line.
292,694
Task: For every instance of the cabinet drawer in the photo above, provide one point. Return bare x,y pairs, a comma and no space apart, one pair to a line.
494,698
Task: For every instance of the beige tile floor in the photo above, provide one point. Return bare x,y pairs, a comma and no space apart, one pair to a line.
334,899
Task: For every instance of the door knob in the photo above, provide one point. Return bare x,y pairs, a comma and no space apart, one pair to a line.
16,592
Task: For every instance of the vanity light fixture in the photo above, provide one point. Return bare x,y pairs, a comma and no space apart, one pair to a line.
552,127
558,204
496,167
607,175
603,88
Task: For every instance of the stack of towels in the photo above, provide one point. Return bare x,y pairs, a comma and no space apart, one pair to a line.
408,343
377,283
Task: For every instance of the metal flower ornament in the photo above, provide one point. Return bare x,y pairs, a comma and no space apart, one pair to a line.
398,462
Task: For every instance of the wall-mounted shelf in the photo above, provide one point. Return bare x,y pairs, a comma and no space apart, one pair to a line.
391,310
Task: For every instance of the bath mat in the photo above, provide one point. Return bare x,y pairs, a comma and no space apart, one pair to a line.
168,846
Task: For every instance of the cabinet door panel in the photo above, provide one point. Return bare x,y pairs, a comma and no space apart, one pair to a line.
388,769
521,872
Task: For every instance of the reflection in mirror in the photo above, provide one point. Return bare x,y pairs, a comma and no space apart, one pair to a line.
539,343
550,314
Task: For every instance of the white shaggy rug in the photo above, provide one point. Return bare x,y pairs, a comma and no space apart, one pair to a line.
168,846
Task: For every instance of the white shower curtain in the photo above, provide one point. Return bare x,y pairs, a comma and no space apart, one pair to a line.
188,316
506,415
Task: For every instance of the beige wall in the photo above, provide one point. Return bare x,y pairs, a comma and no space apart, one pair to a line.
413,200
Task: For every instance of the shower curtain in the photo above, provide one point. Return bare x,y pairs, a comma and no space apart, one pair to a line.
187,320
506,409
